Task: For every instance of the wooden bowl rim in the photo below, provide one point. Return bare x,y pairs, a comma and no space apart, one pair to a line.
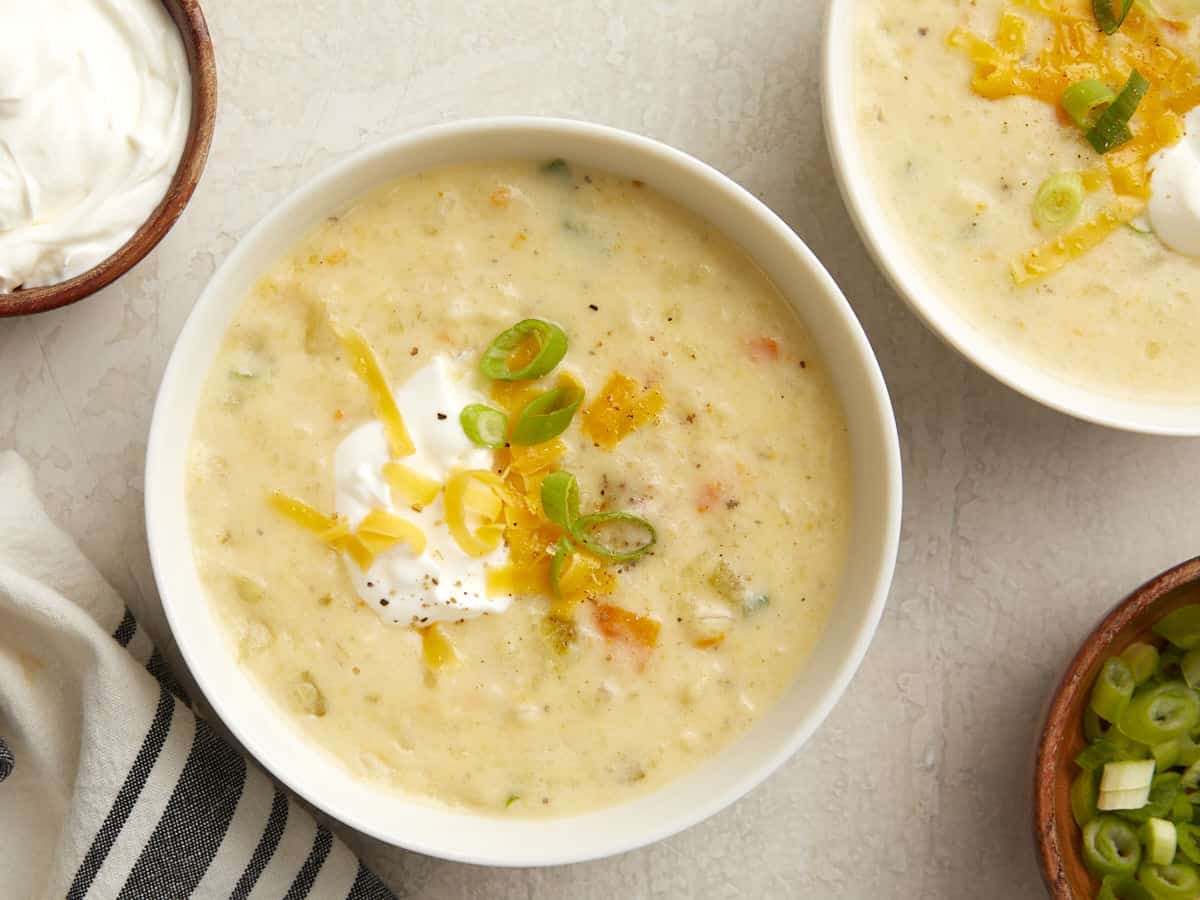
189,19
1095,646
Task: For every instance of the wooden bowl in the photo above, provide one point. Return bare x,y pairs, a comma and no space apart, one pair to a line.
201,62
1059,845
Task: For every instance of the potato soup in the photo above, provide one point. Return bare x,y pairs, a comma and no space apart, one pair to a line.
1054,223
520,488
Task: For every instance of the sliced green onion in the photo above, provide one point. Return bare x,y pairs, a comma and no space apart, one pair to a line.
1112,127
1189,668
562,553
560,499
1158,837
547,416
1160,713
1106,16
1187,839
1099,753
485,426
1166,754
1085,100
552,347
1084,792
556,167
1189,750
586,527
1189,781
1112,691
1110,846
1181,628
1163,793
1176,881
1123,887
1168,664
1058,201
1142,660
1182,811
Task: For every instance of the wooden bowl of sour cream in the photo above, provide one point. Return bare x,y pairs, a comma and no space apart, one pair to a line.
1058,838
201,64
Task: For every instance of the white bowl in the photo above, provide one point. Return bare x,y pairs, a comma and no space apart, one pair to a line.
454,834
927,296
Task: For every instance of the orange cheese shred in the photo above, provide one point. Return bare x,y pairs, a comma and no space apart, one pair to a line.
622,407
619,624
366,365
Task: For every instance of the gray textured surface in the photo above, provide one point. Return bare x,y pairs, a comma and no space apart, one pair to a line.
1021,526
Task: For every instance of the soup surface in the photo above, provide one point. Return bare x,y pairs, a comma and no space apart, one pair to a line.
959,150
741,465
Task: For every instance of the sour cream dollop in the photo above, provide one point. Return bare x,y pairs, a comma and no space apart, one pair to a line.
1175,191
442,584
95,101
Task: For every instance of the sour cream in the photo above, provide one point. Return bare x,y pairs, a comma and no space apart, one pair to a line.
442,584
1175,191
95,101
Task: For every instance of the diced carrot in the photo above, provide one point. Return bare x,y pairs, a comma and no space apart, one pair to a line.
619,624
710,494
763,349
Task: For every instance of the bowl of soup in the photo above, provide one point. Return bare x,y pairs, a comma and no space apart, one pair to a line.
509,510
1030,184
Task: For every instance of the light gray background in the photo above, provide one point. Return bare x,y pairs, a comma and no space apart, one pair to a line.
1021,526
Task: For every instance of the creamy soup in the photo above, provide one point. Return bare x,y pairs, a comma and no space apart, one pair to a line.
961,120
458,673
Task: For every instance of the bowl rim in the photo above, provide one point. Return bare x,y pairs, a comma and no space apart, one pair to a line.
1094,647
877,414
905,276
202,69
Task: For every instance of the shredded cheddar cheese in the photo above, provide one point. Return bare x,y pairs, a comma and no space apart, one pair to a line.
380,531
474,511
436,647
417,490
622,407
1076,50
365,363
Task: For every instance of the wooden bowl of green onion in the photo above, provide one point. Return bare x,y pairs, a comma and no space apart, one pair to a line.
1117,779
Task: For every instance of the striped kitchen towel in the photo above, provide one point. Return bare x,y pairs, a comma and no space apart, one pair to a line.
110,786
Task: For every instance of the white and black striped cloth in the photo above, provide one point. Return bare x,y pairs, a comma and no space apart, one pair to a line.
110,786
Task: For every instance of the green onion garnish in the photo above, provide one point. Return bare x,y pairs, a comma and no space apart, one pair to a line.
560,499
562,552
1160,713
586,527
1112,690
1181,628
485,426
1106,16
1123,887
1111,846
560,503
552,347
1085,100
1058,200
1084,792
1112,128
1142,660
1174,880
546,416
1188,841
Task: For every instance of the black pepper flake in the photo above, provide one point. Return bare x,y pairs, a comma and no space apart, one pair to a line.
803,364
383,601
923,32
414,351
441,417
593,307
